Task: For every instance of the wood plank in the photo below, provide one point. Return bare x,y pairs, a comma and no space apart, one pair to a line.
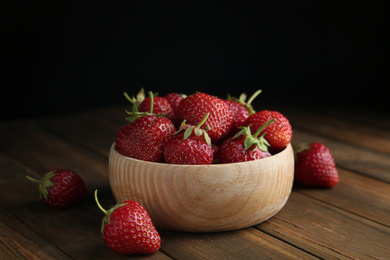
75,230
84,129
379,119
376,210
341,129
354,158
327,231
115,114
18,241
28,144
39,149
86,218
247,243
356,194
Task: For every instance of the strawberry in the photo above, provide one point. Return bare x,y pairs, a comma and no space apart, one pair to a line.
315,166
145,136
61,188
191,145
196,106
278,134
128,229
241,110
174,99
244,146
161,106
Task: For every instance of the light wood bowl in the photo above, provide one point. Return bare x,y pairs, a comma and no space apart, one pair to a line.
204,198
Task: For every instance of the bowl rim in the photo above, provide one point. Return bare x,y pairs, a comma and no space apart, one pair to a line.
217,165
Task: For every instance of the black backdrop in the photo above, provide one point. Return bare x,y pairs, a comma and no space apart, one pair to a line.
65,56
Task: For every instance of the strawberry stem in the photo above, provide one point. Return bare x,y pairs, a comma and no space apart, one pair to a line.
151,101
32,179
263,127
44,183
128,97
98,204
253,97
203,120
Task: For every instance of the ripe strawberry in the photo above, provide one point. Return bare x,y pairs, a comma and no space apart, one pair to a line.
144,138
128,229
174,99
244,146
191,145
196,106
241,110
61,188
315,166
161,106
278,134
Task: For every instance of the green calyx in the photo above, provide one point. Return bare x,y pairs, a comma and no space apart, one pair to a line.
137,100
247,104
44,183
134,114
106,218
196,129
254,140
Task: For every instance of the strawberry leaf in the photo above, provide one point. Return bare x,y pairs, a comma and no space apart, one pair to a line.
198,131
188,132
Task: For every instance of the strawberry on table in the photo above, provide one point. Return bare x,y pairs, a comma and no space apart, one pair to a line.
194,107
144,137
315,166
244,146
61,188
128,229
278,134
191,145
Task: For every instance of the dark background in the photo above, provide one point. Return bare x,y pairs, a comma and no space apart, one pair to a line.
66,56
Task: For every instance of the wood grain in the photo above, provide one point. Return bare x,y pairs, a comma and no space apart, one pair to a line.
350,221
330,232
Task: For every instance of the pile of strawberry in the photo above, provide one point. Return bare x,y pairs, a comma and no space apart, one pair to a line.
200,129
194,129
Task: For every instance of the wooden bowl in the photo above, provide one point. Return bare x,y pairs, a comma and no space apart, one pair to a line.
204,198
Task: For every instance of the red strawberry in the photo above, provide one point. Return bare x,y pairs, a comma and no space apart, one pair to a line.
241,110
196,106
315,166
278,134
191,145
174,99
128,229
161,106
61,188
244,146
145,137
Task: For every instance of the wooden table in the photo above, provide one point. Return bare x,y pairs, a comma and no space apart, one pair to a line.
350,221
